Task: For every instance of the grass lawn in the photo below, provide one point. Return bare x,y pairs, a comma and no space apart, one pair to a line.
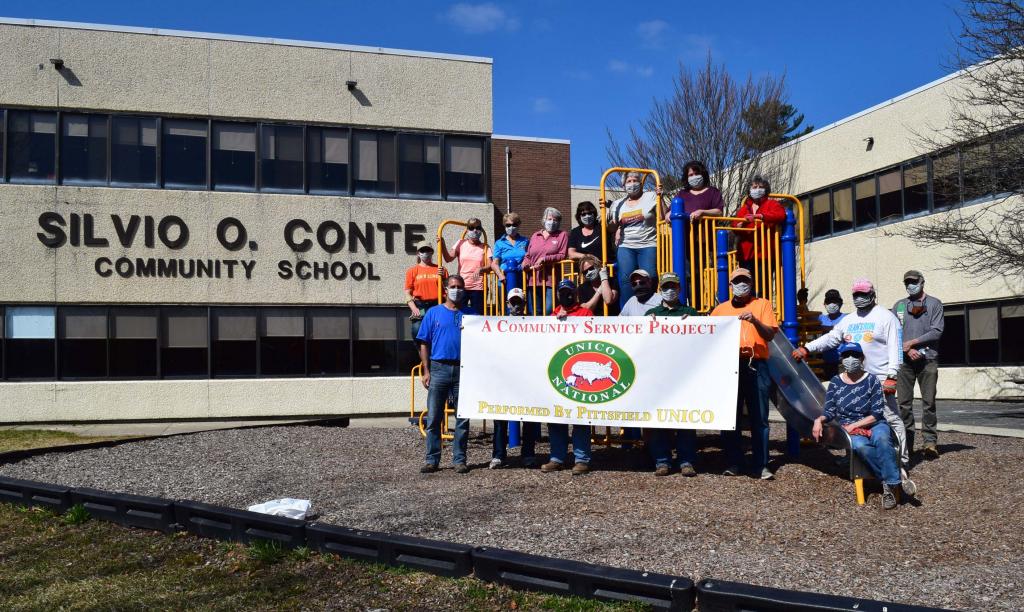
23,439
56,562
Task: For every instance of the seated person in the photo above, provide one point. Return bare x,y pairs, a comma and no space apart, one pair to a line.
595,289
855,400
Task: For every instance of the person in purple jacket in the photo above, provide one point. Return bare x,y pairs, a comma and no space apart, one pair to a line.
700,199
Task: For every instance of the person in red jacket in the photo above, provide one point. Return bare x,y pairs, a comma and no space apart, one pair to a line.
758,206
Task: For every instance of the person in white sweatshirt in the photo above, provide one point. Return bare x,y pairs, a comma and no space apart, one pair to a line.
877,331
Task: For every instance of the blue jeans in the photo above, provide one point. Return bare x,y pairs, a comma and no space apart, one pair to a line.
540,309
661,448
444,382
879,453
559,433
630,260
530,434
475,301
499,442
754,384
414,326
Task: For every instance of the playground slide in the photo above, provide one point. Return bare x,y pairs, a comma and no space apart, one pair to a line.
801,395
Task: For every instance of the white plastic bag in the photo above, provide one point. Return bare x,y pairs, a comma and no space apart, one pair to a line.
291,508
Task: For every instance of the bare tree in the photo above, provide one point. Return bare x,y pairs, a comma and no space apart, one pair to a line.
704,119
986,118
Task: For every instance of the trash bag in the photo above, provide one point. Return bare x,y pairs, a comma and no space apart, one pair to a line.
291,508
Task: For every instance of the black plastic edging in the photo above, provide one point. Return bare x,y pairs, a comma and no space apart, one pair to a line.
35,494
720,596
221,523
433,556
129,510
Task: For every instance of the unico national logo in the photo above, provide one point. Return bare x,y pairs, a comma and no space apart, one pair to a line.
591,372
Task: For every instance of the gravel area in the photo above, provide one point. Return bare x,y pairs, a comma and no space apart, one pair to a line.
958,545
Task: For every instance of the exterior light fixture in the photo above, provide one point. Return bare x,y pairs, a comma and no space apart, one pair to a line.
58,63
871,143
351,85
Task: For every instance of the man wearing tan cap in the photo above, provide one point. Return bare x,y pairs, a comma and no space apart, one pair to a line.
922,321
758,326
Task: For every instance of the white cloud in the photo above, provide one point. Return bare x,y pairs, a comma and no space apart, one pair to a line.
622,67
652,32
543,105
480,18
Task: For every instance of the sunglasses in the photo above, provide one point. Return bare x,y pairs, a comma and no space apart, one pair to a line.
638,282
511,225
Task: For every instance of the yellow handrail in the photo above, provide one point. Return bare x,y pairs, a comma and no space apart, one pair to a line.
799,208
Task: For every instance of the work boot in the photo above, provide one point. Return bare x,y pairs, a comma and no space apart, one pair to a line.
580,468
552,466
888,496
687,469
461,468
930,451
428,468
661,470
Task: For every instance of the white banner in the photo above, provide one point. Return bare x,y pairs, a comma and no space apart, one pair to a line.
678,373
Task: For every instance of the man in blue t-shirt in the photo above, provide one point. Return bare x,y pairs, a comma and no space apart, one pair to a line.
440,337
831,316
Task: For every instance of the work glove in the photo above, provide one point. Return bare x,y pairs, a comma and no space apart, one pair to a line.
889,386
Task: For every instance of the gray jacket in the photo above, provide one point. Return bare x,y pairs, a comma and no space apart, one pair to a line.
926,327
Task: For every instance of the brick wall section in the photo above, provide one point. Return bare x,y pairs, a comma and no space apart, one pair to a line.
540,178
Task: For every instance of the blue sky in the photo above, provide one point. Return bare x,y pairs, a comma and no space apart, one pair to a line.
570,70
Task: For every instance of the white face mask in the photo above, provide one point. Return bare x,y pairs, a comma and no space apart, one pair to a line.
424,257
832,308
913,288
588,220
757,192
695,181
863,301
741,290
633,188
456,294
670,295
511,230
550,225
473,234
853,364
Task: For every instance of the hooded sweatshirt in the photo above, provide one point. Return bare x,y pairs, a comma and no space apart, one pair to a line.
877,331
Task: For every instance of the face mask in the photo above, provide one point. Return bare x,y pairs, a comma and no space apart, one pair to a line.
633,189
757,192
588,220
566,299
511,230
455,294
591,275
551,225
670,295
424,257
832,308
741,290
913,288
643,293
516,310
853,364
863,301
473,234
695,181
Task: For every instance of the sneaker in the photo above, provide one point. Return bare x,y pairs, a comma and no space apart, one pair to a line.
888,496
687,469
732,470
552,466
580,469
661,470
428,468
529,462
766,474
461,468
930,451
908,485
495,464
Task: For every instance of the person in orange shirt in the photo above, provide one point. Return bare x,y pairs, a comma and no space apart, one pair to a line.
421,286
758,326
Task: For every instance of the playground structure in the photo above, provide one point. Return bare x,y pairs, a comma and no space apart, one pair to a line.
700,254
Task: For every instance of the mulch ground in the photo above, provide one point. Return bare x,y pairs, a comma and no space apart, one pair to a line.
956,545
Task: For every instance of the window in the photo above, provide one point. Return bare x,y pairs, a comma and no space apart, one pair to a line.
977,171
83,342
281,157
419,165
234,342
133,343
234,156
29,346
953,343
83,149
282,342
983,334
915,188
866,205
821,215
842,209
408,350
133,151
185,341
945,180
374,163
3,148
327,348
890,196
376,347
1008,162
183,154
31,146
464,167
327,160
1011,329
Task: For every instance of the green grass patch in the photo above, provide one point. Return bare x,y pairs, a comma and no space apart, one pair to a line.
25,439
265,551
76,515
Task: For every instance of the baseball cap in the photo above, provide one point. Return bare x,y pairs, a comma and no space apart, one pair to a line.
669,277
850,347
566,284
832,297
913,275
517,292
863,285
738,272
639,272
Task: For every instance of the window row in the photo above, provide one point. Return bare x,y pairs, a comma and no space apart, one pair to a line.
87,342
932,183
983,334
130,151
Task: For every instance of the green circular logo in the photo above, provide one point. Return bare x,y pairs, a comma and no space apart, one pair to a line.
591,371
